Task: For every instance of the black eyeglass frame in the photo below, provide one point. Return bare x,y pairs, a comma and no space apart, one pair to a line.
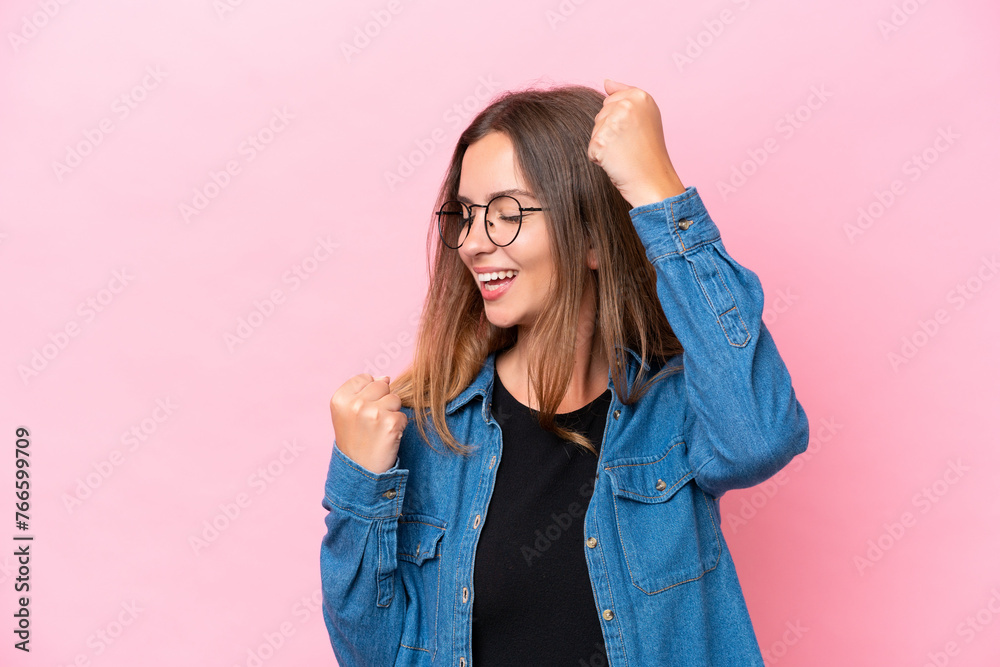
472,215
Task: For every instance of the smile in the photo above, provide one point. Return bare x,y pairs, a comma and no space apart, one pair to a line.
493,285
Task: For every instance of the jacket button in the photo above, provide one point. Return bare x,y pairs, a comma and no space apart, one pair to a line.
683,223
465,594
608,614
617,413
660,485
592,542
391,493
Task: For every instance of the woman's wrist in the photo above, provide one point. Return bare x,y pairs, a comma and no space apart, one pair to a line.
649,193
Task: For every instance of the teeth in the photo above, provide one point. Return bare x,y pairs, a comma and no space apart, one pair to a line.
483,277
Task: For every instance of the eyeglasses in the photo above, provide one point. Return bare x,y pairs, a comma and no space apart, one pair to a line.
455,220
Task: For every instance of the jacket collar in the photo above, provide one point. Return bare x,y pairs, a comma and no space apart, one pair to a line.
482,385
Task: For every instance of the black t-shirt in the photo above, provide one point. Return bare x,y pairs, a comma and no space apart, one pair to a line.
533,603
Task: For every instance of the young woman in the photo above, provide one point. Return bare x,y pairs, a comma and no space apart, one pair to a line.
591,375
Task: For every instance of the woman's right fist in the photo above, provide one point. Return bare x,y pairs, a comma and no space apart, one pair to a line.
367,422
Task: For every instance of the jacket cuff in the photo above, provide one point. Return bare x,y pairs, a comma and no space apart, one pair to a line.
674,225
353,487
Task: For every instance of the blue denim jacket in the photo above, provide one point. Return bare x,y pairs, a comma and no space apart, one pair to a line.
397,559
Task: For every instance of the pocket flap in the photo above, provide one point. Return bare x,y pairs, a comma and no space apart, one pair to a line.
651,479
418,537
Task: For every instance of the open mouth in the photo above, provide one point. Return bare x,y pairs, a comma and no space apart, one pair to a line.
491,282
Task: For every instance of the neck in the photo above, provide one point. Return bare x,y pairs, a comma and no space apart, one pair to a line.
590,362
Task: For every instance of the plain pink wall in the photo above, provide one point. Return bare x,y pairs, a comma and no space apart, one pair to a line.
868,550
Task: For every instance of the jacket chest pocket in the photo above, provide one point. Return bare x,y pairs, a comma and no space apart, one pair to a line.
665,521
418,556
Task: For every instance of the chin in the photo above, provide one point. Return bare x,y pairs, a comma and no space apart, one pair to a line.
500,323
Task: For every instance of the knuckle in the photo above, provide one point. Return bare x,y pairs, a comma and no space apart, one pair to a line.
371,418
363,409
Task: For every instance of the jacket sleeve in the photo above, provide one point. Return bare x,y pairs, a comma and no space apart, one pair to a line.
363,601
745,422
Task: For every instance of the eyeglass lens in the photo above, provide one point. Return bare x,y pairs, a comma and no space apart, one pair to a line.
503,220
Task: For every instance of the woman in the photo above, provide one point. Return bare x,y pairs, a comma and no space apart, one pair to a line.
571,266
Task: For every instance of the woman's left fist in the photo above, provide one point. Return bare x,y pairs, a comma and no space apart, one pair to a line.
627,142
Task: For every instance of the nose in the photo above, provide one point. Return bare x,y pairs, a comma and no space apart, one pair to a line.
477,240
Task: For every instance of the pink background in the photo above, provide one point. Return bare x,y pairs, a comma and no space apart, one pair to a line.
843,562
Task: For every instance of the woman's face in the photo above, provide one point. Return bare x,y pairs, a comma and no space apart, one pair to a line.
489,168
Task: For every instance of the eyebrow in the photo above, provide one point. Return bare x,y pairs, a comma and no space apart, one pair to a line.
510,191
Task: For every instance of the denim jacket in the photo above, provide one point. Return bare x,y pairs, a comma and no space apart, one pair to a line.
397,559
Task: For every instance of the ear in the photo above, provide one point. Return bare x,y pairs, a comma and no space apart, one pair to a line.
592,258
